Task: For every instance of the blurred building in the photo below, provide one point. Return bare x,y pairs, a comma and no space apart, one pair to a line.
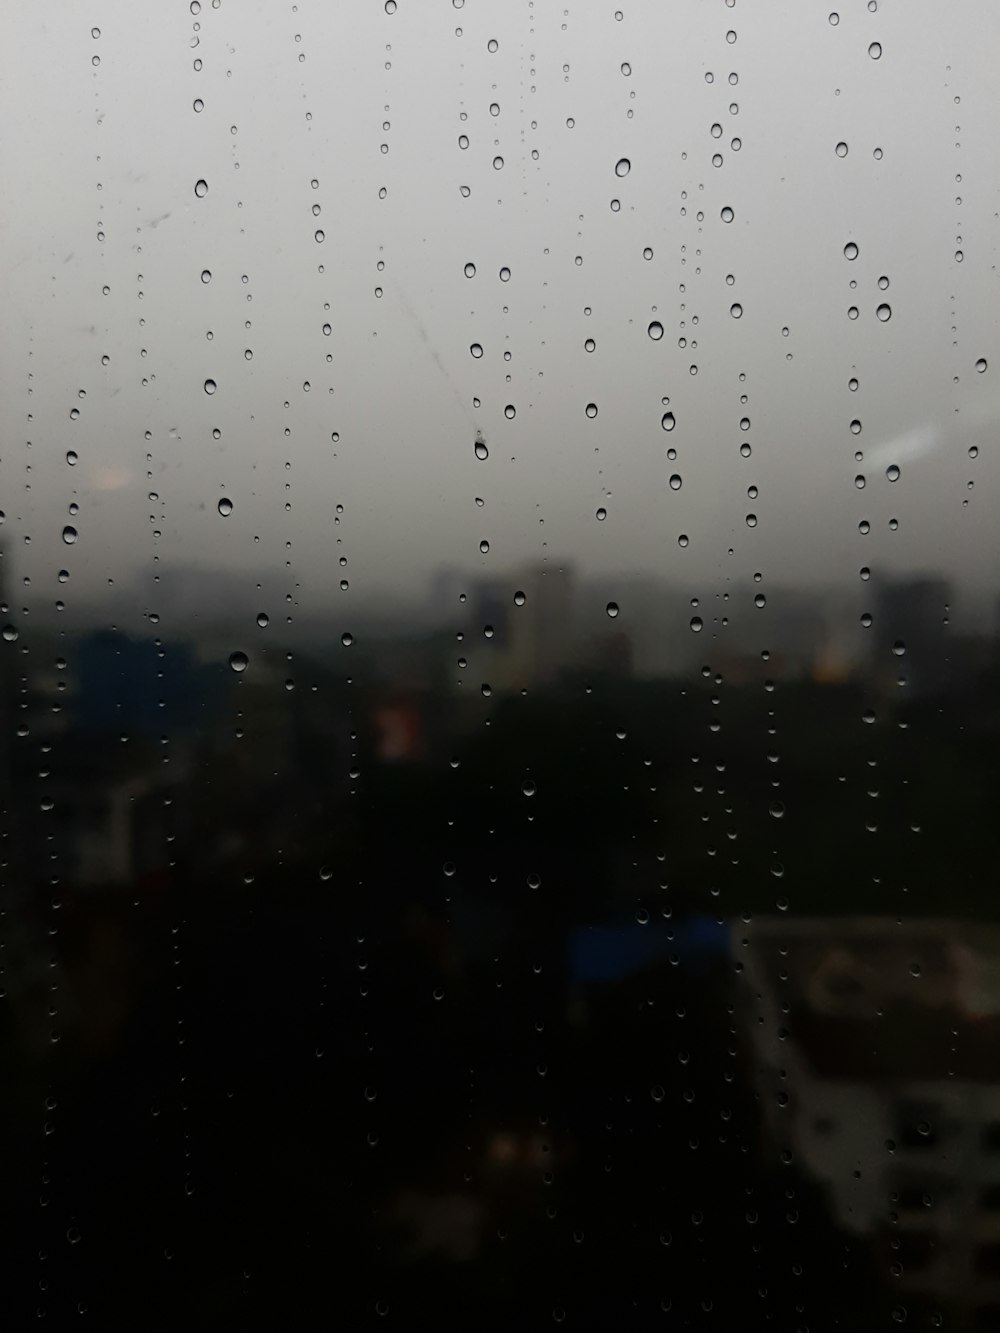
874,1043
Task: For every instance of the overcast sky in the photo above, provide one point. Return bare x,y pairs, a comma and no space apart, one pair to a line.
360,113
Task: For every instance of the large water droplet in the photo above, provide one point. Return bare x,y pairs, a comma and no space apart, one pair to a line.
696,624
884,312
238,661
850,250
841,149
655,330
612,609
482,452
675,481
225,506
476,350
69,535
875,50
210,386
667,421
201,188
10,634
263,619
623,166
981,364
892,472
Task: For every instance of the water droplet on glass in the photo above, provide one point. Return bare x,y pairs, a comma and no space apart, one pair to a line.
10,634
623,166
210,386
238,662
612,609
201,188
892,472
981,364
519,598
727,214
482,452
602,514
591,409
667,421
655,330
510,411
751,520
505,274
675,481
875,50
884,312
69,535
71,457
841,149
528,787
697,624
347,638
736,310
263,619
850,250
225,506
683,539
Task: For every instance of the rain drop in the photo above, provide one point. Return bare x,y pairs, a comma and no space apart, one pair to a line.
238,662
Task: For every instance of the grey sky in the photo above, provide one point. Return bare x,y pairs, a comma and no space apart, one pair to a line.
308,89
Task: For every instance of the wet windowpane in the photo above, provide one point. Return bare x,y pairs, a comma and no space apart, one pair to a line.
499,667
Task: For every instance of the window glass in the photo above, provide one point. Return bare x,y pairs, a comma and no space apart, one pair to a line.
499,676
